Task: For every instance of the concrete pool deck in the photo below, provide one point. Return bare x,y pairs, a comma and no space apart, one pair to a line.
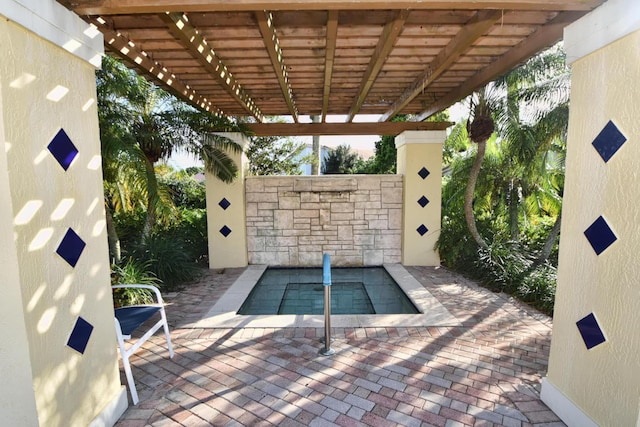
484,372
223,313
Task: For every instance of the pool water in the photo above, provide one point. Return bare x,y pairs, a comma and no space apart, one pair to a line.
362,290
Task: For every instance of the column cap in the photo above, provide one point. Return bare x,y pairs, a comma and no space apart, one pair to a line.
604,25
421,137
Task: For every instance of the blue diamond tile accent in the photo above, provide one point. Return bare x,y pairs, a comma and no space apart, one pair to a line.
62,149
423,173
80,335
590,331
71,247
608,141
224,203
422,229
600,235
225,231
422,201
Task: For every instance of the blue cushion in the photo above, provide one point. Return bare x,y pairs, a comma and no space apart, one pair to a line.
132,317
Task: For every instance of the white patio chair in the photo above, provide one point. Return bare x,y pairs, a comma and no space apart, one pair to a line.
130,318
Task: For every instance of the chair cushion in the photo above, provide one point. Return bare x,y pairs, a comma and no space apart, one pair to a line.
132,317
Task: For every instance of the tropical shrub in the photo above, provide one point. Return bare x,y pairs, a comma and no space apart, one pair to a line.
132,272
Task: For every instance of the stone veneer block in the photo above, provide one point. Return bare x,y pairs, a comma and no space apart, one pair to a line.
347,217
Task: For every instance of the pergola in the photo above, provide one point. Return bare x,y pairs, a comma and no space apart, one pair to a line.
298,58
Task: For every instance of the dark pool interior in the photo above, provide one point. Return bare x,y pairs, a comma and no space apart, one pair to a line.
354,290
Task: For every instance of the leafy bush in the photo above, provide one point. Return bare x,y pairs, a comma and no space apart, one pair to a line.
539,288
503,265
168,258
133,272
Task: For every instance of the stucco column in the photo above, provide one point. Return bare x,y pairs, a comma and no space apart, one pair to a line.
226,217
420,161
57,338
594,365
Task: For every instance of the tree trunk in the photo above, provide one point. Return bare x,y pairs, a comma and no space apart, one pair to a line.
548,244
112,237
469,193
152,200
317,154
514,201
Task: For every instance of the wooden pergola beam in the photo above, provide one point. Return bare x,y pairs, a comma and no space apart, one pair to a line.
272,44
545,36
193,41
385,44
475,28
370,128
128,51
329,57
113,7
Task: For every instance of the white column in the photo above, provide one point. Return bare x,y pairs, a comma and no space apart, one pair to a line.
598,282
226,217
420,161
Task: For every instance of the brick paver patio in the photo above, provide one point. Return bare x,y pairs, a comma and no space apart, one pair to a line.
485,373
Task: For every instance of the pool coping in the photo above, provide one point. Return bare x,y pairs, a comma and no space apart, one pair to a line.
223,314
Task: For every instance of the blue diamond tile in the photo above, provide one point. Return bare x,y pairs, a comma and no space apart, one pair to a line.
422,201
63,149
224,203
80,335
423,173
608,141
590,331
422,229
600,235
225,231
71,247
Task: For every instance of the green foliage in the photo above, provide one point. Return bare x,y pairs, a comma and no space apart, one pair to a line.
133,272
341,160
185,191
169,258
273,155
518,195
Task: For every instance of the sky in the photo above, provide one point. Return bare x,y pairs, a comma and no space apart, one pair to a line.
359,142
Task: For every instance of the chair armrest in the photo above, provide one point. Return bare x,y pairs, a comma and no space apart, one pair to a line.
150,287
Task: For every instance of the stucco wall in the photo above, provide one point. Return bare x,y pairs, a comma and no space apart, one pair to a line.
44,89
226,214
603,382
293,220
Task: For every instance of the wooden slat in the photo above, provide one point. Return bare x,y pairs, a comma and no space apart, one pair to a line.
386,42
329,57
272,44
179,25
545,36
477,26
112,7
309,129
127,50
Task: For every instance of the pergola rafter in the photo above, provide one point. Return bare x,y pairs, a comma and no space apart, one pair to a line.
329,57
195,43
477,26
350,58
544,36
129,52
113,7
386,41
271,42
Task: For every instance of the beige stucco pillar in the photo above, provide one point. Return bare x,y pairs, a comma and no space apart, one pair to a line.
598,273
58,364
226,218
419,159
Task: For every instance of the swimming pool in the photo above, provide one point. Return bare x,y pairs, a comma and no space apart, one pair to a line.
224,313
362,290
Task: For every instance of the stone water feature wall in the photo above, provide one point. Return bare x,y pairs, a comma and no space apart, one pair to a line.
293,220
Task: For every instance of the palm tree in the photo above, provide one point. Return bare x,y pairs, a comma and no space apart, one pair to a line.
141,124
479,130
